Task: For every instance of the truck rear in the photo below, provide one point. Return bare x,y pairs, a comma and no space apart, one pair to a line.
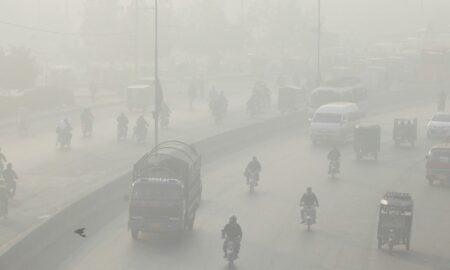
166,190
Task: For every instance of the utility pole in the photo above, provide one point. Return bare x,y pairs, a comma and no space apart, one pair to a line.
136,39
242,11
319,79
158,91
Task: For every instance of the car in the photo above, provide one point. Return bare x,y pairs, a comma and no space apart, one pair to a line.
334,122
439,126
438,164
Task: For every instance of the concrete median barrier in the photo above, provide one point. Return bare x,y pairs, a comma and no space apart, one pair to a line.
108,201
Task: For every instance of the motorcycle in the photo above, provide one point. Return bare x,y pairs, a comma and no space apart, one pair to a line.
122,132
252,180
64,139
140,134
87,127
11,188
308,216
230,248
334,168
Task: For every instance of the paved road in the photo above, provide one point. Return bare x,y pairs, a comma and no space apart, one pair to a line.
51,179
344,237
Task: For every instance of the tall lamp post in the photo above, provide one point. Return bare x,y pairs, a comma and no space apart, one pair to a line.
319,77
158,91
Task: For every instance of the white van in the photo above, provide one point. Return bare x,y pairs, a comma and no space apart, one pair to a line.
335,122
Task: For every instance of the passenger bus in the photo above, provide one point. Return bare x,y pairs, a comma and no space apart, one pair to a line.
340,90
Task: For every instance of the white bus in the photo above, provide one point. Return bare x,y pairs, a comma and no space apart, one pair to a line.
342,90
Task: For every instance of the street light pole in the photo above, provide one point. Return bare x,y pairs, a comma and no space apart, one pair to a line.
136,39
318,41
157,84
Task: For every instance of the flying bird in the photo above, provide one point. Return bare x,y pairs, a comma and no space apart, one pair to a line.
80,232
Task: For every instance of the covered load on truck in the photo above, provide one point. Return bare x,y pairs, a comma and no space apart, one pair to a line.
166,190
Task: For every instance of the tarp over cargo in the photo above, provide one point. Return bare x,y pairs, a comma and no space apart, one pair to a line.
173,159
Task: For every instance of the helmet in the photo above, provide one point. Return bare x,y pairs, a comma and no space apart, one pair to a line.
233,218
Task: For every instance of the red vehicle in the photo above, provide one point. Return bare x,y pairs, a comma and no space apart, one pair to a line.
438,164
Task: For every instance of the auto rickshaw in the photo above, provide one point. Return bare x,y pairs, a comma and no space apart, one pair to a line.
395,220
367,140
140,97
291,98
405,131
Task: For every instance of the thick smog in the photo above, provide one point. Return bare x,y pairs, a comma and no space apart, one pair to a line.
224,134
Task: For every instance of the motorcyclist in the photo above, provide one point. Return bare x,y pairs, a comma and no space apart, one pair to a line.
2,160
309,200
3,198
219,106
334,156
165,114
253,167
64,131
232,232
10,177
122,124
87,119
141,127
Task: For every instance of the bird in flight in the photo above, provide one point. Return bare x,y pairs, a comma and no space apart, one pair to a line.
80,232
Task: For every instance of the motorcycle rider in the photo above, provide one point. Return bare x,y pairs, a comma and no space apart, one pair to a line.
165,113
334,156
10,177
64,131
87,119
309,199
141,127
122,125
253,167
2,160
232,232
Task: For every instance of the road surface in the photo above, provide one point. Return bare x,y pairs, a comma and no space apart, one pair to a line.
344,238
50,179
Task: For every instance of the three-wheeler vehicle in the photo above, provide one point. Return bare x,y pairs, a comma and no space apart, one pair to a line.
405,131
367,140
395,220
140,97
291,98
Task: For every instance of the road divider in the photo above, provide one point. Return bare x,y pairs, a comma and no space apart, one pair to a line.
108,201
